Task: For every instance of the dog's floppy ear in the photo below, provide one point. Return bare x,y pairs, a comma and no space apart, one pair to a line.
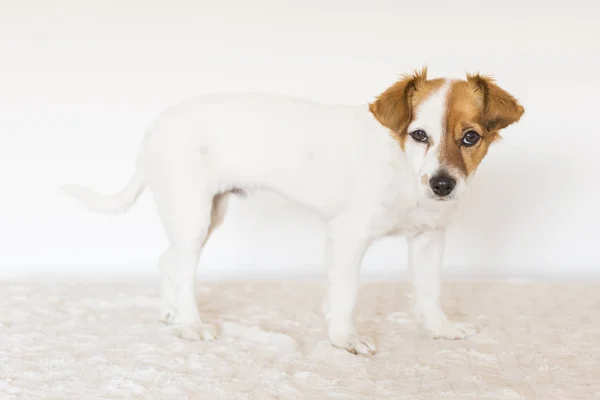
393,107
500,109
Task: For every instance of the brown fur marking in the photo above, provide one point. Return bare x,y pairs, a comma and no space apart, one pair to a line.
479,105
475,104
394,107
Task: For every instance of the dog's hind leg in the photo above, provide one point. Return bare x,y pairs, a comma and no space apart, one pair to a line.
185,210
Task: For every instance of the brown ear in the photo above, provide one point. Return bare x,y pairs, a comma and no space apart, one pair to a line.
393,107
500,109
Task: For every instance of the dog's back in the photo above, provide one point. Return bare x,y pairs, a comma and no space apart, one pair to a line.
302,149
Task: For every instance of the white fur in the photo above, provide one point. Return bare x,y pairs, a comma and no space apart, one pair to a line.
430,117
337,161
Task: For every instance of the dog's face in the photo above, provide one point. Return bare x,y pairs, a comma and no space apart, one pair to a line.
445,127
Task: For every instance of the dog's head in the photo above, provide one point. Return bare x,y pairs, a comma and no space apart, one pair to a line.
445,126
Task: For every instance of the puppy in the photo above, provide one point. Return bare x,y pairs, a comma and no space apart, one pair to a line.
395,167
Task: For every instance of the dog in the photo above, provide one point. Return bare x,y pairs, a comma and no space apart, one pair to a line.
397,166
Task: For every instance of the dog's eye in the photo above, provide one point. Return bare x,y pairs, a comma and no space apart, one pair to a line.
419,135
470,138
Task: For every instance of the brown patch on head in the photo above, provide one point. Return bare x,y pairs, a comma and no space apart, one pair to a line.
425,179
479,105
395,106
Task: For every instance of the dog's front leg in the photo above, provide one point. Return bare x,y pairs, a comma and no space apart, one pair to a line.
425,260
344,255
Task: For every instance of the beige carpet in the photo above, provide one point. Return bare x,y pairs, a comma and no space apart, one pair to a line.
103,341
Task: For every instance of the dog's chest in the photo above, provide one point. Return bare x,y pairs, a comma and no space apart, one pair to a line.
404,214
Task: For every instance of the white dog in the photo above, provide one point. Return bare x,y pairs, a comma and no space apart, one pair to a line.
397,166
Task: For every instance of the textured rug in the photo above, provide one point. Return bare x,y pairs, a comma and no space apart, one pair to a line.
104,341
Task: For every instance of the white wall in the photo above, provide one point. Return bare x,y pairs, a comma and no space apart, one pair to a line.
81,80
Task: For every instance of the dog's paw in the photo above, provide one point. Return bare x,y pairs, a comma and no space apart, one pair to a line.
195,331
354,344
453,331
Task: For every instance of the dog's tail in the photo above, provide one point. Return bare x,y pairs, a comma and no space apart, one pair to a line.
110,204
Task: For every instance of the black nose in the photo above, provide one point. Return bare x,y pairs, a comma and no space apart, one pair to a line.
442,185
